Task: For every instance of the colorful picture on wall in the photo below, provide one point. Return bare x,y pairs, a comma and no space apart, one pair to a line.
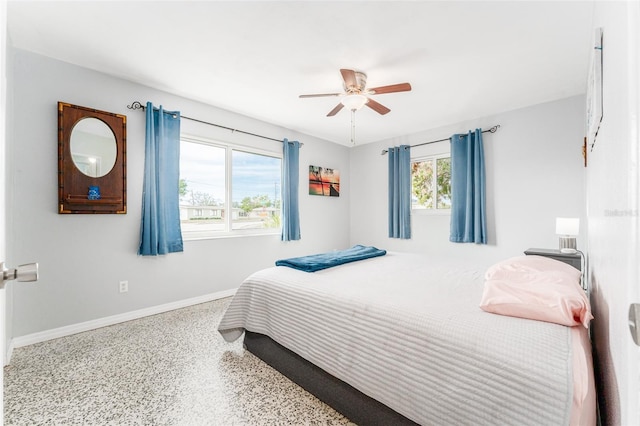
324,181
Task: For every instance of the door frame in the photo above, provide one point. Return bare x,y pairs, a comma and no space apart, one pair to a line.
3,180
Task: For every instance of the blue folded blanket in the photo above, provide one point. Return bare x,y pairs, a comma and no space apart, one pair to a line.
316,262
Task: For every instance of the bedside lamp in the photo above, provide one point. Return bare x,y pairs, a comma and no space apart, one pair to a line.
567,228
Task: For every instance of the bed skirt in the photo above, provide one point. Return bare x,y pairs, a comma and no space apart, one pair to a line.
344,398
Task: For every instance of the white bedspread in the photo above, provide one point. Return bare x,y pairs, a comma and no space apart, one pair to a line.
407,331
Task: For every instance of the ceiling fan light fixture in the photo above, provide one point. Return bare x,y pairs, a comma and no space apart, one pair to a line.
354,101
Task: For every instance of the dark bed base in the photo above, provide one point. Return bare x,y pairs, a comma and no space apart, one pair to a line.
344,398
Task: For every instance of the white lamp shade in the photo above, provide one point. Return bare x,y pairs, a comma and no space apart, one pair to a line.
354,102
567,225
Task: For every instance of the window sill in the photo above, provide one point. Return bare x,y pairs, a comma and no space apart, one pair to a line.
199,236
431,212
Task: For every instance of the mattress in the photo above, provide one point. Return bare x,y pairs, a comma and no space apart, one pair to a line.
406,330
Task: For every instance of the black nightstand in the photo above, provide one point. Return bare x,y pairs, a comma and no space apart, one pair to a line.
573,259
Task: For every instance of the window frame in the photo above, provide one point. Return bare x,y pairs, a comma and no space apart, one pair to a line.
229,232
433,210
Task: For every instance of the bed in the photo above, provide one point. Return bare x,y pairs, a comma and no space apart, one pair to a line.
400,339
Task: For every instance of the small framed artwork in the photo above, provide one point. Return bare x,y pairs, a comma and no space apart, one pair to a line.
594,90
324,181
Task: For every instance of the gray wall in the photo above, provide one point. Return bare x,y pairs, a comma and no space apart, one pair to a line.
534,174
83,257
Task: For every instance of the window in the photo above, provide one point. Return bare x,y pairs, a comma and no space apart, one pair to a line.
225,190
431,183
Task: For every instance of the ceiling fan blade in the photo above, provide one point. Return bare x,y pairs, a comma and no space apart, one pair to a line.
401,87
377,107
319,95
349,77
335,110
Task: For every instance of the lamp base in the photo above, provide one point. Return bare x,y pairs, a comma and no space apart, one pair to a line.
568,244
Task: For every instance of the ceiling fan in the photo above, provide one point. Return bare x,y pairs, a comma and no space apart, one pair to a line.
356,95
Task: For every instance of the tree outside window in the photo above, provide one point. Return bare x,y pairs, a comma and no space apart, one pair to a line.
431,183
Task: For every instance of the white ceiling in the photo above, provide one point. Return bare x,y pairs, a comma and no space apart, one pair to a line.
464,60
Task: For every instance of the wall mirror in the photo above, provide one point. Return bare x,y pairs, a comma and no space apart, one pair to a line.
93,147
91,160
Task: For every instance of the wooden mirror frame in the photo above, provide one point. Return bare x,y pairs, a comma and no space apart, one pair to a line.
73,184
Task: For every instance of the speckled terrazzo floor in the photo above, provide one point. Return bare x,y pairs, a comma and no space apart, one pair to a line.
167,369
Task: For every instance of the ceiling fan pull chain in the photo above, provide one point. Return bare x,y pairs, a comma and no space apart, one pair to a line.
353,127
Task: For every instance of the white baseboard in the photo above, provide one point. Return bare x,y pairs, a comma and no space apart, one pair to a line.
68,330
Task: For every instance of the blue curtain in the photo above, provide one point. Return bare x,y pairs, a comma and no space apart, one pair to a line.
468,213
290,183
160,228
400,192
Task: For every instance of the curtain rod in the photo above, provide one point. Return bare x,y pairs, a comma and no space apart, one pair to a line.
138,105
491,130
